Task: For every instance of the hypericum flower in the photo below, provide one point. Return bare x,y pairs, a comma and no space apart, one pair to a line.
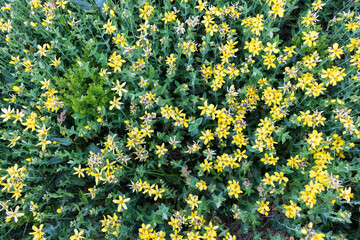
310,38
269,60
109,28
317,5
352,26
7,113
193,201
77,235
115,103
263,207
6,7
121,201
119,88
201,185
146,11
314,138
207,136
277,10
335,51
55,62
157,192
291,210
208,20
13,214
43,144
206,166
161,150
346,194
280,177
61,3
268,180
37,232
170,60
42,50
202,5
120,39
15,60
211,231
169,17
79,171
271,48
234,188
116,62
309,19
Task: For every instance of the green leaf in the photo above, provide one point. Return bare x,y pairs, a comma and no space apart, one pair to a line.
285,136
7,77
100,3
63,192
83,197
218,199
192,128
77,181
62,141
84,5
55,160
93,148
198,122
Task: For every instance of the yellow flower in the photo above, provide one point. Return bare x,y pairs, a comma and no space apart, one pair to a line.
161,150
310,38
352,26
146,11
335,51
206,166
169,17
170,60
109,28
234,188
291,210
15,60
263,208
13,214
16,88
314,138
346,194
79,171
119,88
61,3
269,60
268,180
207,136
317,5
121,201
120,39
201,5
271,48
116,62
309,19
201,185
55,62
193,201
115,103
37,232
280,177
77,235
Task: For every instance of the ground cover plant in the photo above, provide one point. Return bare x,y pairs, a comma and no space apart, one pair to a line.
179,119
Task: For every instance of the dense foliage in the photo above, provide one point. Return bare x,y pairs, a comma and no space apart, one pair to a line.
179,119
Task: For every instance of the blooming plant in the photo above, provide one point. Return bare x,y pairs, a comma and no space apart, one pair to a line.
179,119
